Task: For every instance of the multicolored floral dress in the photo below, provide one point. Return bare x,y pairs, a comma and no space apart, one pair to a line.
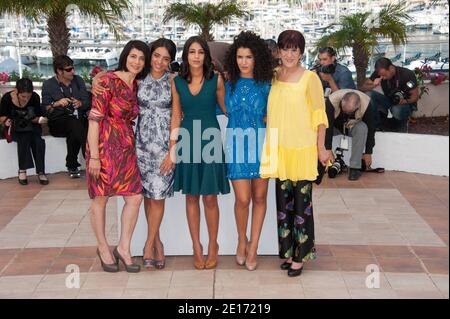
115,111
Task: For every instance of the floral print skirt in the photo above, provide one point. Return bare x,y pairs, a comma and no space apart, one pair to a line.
295,220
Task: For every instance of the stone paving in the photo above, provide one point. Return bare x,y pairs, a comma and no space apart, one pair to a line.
396,221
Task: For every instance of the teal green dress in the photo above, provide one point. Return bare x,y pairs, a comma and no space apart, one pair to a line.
200,168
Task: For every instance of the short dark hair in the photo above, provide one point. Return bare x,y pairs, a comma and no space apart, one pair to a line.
140,46
331,51
262,70
291,39
208,67
164,43
24,85
383,63
60,62
271,44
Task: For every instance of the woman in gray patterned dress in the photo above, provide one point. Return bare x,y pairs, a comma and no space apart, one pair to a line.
152,145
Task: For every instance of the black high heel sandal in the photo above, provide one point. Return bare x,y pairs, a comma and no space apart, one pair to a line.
133,268
22,181
108,267
295,272
42,181
285,265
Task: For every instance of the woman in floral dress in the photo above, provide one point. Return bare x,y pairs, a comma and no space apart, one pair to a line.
110,155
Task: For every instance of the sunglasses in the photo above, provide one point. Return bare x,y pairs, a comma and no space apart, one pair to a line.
69,69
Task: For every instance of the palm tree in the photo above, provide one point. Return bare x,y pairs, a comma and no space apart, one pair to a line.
205,15
361,32
56,13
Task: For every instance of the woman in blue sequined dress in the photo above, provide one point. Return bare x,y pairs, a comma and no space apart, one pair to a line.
248,66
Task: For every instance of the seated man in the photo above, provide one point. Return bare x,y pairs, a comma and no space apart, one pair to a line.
400,90
65,101
335,77
354,117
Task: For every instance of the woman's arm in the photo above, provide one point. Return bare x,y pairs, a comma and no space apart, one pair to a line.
324,155
92,139
221,94
168,164
100,105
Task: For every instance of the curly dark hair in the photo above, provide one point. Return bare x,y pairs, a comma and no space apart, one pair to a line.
262,71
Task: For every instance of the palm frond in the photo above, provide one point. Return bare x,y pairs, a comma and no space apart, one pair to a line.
205,15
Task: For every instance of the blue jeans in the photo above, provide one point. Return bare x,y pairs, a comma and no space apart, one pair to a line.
382,104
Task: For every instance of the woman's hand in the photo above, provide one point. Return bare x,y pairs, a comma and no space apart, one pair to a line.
97,89
94,167
167,165
324,156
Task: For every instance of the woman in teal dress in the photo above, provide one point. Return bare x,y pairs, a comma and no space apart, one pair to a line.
196,144
247,63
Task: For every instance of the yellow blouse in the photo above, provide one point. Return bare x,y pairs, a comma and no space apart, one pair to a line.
294,112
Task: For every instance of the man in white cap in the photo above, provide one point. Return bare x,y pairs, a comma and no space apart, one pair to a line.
354,117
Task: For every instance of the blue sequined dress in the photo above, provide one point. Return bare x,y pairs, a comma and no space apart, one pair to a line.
246,107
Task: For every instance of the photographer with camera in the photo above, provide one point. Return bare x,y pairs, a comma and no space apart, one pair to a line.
353,117
66,103
334,76
20,110
400,90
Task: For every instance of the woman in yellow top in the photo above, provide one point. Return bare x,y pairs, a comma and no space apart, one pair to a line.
295,141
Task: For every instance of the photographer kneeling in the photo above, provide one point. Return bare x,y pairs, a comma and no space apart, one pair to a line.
20,109
354,117
400,90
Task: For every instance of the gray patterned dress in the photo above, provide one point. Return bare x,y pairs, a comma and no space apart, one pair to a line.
152,135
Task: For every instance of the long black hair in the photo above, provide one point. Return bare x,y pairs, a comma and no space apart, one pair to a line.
138,45
262,70
208,67
164,43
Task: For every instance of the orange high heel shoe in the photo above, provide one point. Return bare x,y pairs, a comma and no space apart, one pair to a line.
240,260
211,264
199,265
248,265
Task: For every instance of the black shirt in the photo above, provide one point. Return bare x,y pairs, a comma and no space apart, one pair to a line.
398,82
53,91
7,107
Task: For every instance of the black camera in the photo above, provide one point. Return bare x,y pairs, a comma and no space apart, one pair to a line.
70,108
339,165
396,95
22,119
327,69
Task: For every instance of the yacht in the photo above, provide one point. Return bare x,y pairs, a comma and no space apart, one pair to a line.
44,56
95,55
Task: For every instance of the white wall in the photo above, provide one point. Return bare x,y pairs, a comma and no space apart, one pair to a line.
55,157
174,229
